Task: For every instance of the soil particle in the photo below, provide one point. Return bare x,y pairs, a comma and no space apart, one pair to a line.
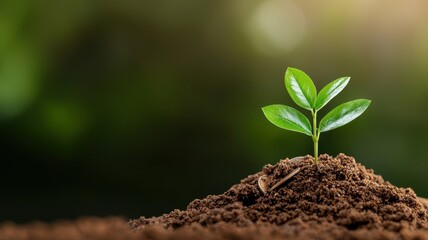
337,198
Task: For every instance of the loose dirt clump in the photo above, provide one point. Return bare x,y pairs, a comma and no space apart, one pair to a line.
335,199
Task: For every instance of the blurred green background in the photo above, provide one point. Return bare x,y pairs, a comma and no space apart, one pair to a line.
137,107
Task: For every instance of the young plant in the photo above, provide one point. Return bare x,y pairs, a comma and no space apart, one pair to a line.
303,92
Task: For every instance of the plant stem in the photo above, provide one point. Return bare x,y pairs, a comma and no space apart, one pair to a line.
315,135
316,151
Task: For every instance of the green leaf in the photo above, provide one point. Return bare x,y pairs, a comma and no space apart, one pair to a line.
288,118
330,91
343,114
300,87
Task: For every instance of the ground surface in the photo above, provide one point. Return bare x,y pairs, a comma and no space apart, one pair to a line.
337,199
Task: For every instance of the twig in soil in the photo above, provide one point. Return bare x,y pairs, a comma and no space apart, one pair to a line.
280,182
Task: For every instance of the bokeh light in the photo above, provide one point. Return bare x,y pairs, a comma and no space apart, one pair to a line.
277,26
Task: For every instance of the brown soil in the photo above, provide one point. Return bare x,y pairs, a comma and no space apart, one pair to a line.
336,199
83,228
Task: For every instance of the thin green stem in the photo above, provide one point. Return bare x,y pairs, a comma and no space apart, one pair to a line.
316,151
315,135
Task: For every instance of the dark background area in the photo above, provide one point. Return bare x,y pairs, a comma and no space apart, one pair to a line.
138,107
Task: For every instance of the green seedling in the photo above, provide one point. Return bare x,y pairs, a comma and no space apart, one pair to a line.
303,92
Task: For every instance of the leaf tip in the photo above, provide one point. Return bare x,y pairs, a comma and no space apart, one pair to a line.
367,101
264,109
288,72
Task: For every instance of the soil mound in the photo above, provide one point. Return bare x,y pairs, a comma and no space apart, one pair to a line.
337,197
